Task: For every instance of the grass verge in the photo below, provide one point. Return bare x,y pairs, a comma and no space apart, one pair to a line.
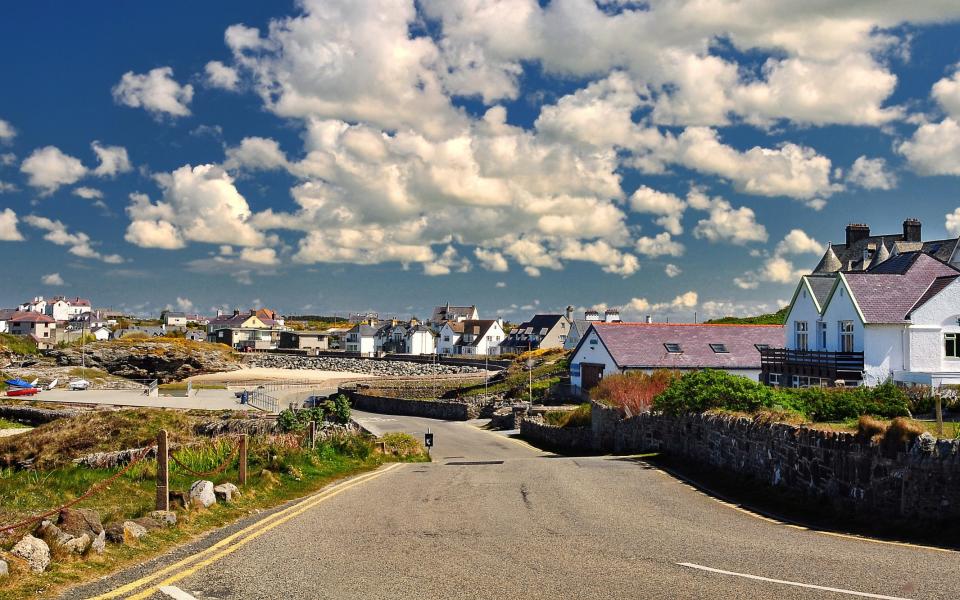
5,424
291,472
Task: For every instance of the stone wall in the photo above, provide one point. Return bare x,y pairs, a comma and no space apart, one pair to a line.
431,409
556,438
920,481
35,416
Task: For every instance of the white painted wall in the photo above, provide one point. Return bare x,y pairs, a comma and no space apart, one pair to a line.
447,340
421,342
592,351
927,359
804,309
841,308
883,352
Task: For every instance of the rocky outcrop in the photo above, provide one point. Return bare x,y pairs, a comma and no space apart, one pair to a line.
162,359
35,416
366,366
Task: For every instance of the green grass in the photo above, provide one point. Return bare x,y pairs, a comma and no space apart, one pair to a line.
776,318
517,381
5,424
293,473
18,344
578,417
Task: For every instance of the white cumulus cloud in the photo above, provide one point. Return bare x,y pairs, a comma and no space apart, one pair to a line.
156,91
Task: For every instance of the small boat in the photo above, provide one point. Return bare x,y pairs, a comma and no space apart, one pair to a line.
78,385
21,387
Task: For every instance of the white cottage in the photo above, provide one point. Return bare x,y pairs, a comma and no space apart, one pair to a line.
898,319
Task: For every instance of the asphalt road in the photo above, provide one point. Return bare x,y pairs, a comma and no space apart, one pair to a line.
494,518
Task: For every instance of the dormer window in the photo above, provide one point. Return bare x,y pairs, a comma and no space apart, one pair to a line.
719,348
673,348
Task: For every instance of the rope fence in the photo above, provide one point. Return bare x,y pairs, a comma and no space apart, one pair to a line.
216,471
8,529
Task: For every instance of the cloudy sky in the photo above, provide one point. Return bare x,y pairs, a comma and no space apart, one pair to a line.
332,155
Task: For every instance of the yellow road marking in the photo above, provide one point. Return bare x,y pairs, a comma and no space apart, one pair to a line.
511,438
255,530
848,536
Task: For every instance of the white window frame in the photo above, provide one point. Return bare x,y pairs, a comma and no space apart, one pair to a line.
845,332
801,333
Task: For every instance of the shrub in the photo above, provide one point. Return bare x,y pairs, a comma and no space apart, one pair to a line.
869,428
700,391
402,444
633,390
839,404
900,433
578,417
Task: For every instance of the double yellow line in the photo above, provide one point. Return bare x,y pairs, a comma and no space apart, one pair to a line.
230,544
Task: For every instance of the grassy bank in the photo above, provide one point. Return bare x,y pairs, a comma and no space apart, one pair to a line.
281,469
5,424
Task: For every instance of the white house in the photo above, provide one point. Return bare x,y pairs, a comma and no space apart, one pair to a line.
361,339
40,326
898,319
58,307
471,336
449,337
174,319
613,348
101,333
442,314
420,339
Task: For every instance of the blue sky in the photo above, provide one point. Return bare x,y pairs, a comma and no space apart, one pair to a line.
328,156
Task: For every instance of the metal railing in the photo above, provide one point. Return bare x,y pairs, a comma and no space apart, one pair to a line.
813,363
258,399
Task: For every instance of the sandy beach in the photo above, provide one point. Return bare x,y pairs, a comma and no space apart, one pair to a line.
263,374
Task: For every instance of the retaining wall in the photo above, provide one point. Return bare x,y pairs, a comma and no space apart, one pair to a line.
431,409
919,481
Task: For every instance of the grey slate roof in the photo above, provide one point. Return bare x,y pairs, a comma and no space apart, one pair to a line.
888,293
641,345
853,255
821,285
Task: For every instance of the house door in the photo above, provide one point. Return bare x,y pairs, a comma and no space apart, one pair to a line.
590,376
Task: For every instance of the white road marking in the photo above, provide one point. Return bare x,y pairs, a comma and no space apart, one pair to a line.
176,593
793,583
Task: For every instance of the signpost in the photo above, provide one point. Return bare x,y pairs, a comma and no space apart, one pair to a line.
428,441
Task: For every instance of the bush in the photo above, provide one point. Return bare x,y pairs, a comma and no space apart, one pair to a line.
700,391
578,417
402,444
704,390
633,390
336,410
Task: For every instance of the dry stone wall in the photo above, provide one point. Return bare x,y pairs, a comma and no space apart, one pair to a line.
920,481
431,409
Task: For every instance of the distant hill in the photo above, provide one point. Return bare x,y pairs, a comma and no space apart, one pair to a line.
776,318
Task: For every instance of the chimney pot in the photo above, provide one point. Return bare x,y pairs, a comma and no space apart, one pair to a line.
648,319
912,230
857,232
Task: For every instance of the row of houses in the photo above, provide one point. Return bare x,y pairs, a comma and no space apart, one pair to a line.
876,308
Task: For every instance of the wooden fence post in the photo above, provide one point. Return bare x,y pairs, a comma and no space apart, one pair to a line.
243,459
163,472
313,434
939,411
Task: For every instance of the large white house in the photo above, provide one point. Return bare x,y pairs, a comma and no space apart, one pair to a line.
59,308
472,336
898,319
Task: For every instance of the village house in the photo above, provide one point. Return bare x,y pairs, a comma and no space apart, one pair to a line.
40,327
613,348
420,339
861,249
578,327
173,318
60,308
5,315
361,339
442,314
539,333
476,337
245,331
312,341
899,319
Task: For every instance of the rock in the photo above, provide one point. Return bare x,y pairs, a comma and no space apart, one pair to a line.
79,521
226,491
181,499
167,518
269,477
357,365
78,545
33,550
148,523
52,534
4,568
201,494
99,543
127,532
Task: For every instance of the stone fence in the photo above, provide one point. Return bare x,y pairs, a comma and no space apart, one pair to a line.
431,409
919,480
35,416
552,437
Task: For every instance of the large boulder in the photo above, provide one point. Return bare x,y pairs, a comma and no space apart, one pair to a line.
78,545
148,523
33,550
99,543
201,494
226,492
79,521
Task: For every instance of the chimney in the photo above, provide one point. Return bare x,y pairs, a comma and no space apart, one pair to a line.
911,230
648,319
611,315
569,313
591,315
236,312
857,232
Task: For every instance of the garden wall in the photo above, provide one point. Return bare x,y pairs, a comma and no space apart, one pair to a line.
432,409
919,481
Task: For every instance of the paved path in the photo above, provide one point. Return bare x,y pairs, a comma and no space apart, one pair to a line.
494,518
13,431
204,399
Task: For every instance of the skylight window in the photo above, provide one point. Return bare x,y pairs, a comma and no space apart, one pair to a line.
761,347
719,348
673,348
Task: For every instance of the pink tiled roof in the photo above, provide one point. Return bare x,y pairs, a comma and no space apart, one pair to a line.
888,295
31,317
641,345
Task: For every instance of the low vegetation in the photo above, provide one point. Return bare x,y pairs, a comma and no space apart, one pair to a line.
633,391
17,344
403,444
578,417
776,318
5,424
336,410
705,390
281,468
548,367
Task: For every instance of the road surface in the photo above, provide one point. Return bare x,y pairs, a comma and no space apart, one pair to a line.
494,518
